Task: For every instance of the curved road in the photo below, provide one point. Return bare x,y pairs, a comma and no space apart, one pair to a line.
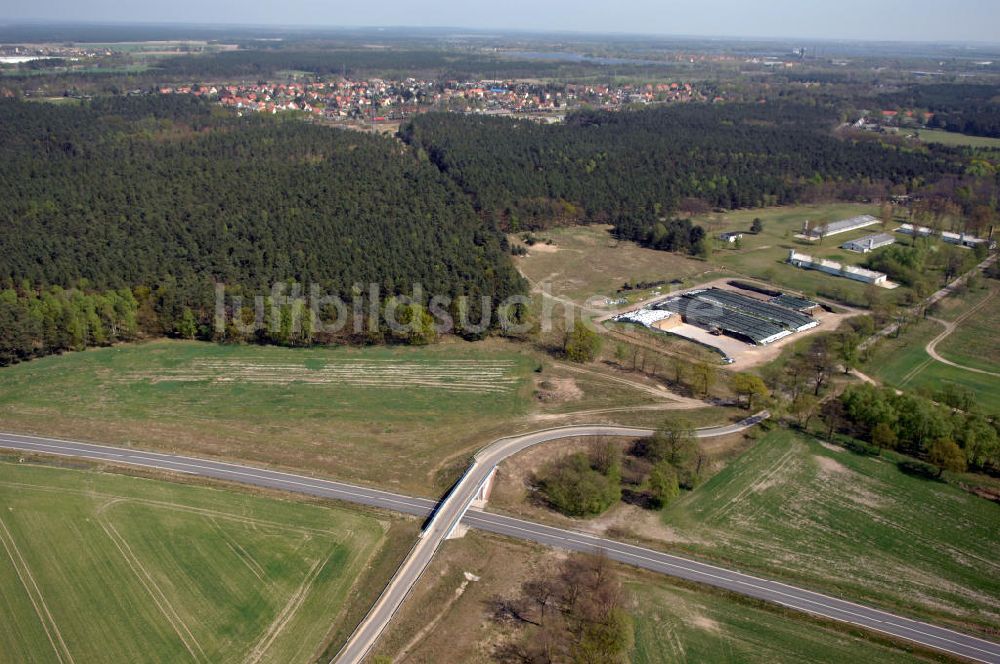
451,510
949,327
924,634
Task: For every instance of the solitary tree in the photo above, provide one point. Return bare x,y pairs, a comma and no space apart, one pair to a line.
757,226
582,344
750,386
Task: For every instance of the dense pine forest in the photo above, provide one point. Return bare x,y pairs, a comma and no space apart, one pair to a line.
632,168
167,196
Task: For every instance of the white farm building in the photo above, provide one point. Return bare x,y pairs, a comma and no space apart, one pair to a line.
863,245
837,227
837,269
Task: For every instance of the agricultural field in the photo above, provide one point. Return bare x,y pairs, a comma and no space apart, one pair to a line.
586,261
904,363
306,409
672,623
825,518
100,567
763,255
956,139
975,343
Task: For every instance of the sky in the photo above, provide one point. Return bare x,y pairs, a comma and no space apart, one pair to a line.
882,20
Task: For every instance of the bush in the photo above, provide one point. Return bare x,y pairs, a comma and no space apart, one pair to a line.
572,486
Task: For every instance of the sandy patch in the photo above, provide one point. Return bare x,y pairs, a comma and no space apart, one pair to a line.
828,466
542,248
557,390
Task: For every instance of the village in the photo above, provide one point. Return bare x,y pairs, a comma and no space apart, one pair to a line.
380,101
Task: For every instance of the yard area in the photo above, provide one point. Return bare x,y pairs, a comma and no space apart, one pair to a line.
386,416
100,567
956,139
853,526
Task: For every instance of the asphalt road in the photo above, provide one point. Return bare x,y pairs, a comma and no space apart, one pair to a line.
803,600
453,508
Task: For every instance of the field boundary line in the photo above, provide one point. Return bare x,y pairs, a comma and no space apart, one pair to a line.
40,605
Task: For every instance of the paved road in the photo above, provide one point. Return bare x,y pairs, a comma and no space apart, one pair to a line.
453,508
796,598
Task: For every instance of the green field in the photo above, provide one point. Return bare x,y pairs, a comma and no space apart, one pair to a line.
389,415
677,624
99,567
852,526
955,139
763,255
903,363
975,343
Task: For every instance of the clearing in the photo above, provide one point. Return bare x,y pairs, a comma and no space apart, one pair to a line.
585,262
114,568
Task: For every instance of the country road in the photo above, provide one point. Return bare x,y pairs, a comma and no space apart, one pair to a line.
930,636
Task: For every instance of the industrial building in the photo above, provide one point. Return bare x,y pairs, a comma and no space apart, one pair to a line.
746,318
863,245
836,227
780,316
837,269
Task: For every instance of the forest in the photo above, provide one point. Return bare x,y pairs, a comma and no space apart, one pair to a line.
966,108
170,196
633,168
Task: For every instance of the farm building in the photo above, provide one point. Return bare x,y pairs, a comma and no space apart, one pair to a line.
786,318
961,239
746,318
836,227
731,236
721,320
863,245
794,303
837,269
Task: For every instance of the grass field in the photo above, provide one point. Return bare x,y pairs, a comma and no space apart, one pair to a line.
903,363
99,567
384,416
955,139
585,261
853,526
677,624
449,620
975,343
763,255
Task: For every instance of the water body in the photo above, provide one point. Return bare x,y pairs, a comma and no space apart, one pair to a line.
569,56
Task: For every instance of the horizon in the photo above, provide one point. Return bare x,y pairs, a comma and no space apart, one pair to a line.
970,21
485,31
